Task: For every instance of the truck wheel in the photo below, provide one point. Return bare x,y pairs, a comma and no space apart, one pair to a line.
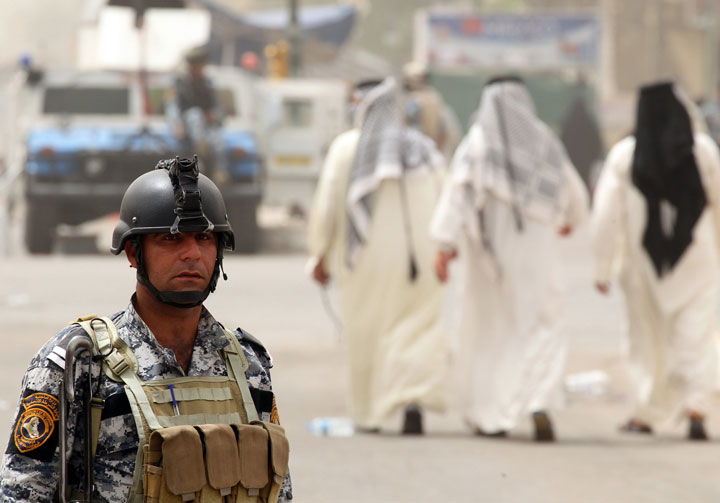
245,227
39,228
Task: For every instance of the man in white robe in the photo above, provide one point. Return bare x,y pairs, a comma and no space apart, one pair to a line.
368,231
512,190
657,215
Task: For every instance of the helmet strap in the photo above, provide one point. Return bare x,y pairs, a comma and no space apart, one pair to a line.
183,300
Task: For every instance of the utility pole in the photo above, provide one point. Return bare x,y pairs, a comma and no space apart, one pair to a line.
659,40
711,51
295,38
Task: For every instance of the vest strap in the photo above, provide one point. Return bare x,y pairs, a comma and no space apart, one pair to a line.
238,364
96,408
190,394
136,490
196,419
137,394
117,356
120,363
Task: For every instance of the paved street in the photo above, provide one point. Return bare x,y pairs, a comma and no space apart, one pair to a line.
270,296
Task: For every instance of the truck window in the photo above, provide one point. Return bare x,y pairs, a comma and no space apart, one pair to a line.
158,97
297,113
226,101
87,100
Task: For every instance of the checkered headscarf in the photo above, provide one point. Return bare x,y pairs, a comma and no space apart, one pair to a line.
386,150
513,154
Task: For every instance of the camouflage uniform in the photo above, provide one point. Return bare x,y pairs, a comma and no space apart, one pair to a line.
30,466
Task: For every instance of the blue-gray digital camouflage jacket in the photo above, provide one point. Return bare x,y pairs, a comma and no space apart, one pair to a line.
30,468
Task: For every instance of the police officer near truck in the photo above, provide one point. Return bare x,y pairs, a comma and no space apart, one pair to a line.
195,115
165,404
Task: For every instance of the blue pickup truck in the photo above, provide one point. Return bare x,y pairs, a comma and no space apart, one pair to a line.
92,133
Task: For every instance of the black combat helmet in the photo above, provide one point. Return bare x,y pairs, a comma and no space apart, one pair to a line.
197,55
173,198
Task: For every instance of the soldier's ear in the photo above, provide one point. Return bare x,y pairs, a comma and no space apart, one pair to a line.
130,252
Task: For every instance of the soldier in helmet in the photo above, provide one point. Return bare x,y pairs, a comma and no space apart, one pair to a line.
185,407
195,89
195,114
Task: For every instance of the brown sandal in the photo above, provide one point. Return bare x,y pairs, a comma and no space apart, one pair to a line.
697,429
543,427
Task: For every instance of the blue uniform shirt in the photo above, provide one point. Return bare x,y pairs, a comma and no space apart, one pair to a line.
30,468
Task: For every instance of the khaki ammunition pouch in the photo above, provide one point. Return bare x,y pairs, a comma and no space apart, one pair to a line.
216,463
200,437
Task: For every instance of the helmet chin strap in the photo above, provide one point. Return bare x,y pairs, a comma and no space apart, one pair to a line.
186,299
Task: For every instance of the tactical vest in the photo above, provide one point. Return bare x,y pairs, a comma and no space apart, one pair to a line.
199,437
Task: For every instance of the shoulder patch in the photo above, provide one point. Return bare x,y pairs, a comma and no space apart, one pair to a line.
263,400
274,415
35,433
258,346
57,354
250,338
68,334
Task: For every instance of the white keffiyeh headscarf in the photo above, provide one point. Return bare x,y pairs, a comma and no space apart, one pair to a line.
387,149
513,154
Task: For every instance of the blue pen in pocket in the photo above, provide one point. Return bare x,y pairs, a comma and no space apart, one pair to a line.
174,402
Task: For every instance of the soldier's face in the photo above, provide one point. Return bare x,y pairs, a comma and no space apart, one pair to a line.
179,262
197,70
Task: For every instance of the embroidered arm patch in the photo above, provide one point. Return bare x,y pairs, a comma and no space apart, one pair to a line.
35,433
265,404
274,415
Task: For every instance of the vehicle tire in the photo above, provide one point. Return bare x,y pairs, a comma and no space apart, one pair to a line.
39,228
243,219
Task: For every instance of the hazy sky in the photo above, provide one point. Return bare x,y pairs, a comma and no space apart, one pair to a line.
44,28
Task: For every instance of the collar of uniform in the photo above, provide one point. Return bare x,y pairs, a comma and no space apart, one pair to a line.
132,318
210,333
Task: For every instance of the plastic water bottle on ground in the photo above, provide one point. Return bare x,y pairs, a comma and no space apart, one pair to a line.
331,427
591,383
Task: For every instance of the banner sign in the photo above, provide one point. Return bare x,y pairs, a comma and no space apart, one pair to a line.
523,41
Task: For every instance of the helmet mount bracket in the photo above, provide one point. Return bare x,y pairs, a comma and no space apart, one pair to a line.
189,214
